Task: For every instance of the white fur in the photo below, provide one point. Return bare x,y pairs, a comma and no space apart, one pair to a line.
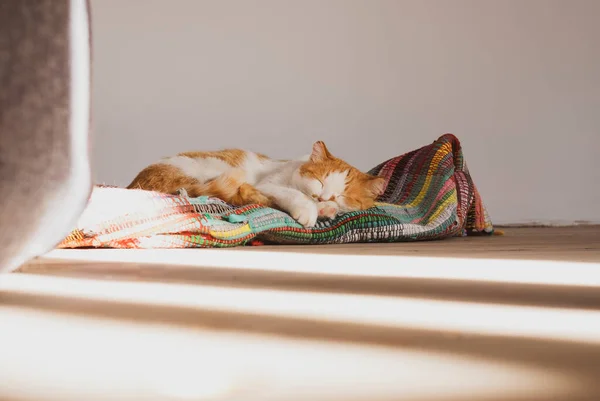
334,185
280,180
328,209
201,169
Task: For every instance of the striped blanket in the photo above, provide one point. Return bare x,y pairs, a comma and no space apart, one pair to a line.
429,195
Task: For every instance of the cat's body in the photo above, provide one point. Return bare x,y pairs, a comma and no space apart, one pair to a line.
318,185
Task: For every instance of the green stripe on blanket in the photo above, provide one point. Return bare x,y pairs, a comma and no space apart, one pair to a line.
429,195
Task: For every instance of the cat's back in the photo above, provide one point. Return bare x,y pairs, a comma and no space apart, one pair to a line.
231,157
206,165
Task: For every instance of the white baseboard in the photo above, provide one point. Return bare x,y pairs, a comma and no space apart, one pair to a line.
549,223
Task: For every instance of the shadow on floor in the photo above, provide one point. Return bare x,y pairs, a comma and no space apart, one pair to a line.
578,360
549,296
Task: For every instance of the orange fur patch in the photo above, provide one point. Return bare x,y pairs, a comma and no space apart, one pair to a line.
263,157
162,178
169,179
233,157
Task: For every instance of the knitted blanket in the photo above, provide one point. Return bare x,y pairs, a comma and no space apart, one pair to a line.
429,195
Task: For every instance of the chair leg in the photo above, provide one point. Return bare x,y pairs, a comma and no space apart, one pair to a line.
44,124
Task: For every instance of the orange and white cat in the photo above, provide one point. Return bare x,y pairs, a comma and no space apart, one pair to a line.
316,186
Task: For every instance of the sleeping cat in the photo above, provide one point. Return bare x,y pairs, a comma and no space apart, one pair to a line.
317,186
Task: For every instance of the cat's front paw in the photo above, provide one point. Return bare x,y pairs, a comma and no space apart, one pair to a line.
305,213
328,209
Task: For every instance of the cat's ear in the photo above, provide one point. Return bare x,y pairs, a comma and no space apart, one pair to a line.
320,152
376,185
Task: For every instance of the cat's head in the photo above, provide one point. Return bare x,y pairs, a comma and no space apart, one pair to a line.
325,177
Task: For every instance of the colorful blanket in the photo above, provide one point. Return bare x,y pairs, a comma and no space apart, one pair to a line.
429,195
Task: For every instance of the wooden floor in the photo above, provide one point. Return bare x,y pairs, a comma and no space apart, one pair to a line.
513,317
578,244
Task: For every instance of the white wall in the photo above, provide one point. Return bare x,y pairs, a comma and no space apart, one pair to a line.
518,81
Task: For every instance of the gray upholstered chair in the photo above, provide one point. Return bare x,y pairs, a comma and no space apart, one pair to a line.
44,124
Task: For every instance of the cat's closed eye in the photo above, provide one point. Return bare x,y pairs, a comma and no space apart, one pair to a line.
332,198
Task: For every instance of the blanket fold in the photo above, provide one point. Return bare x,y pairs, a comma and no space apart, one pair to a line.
429,195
